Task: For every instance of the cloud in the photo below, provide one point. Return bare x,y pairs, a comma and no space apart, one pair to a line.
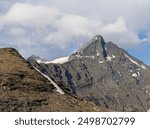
70,28
147,38
46,26
16,31
119,33
118,27
29,15
143,1
73,27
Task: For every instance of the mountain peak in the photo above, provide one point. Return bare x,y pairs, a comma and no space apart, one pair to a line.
105,74
96,47
96,41
98,37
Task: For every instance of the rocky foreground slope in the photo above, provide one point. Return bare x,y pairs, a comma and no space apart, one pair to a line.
22,88
102,73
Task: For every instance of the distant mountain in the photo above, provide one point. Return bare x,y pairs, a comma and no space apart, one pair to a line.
102,73
23,88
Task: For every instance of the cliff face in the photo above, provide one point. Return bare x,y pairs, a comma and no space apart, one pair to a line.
104,74
22,88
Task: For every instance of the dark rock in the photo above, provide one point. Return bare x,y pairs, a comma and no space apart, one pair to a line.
105,74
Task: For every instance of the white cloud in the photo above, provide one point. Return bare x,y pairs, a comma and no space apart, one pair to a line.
119,33
118,27
143,1
72,27
50,23
30,15
16,31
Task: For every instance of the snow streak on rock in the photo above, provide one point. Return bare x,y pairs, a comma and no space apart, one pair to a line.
53,83
142,66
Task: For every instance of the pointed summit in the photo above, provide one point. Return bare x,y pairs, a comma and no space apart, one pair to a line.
95,47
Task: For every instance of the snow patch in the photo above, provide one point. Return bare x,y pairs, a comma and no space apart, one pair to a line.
113,56
138,73
56,61
134,75
142,66
61,60
79,56
109,58
119,73
101,62
88,57
96,38
97,53
53,83
38,61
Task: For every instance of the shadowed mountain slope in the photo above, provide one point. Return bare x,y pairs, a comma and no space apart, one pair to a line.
102,73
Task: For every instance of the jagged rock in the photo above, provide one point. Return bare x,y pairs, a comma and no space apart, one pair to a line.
104,74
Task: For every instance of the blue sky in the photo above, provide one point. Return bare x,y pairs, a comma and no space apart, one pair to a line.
54,28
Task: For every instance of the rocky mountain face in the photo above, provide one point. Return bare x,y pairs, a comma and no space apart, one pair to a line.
23,88
102,73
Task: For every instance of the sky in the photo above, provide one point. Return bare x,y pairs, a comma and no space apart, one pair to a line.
55,28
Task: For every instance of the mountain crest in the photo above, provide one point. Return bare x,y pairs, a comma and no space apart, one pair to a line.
94,45
95,48
104,74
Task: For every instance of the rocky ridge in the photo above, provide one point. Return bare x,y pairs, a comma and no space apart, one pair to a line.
22,88
104,74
